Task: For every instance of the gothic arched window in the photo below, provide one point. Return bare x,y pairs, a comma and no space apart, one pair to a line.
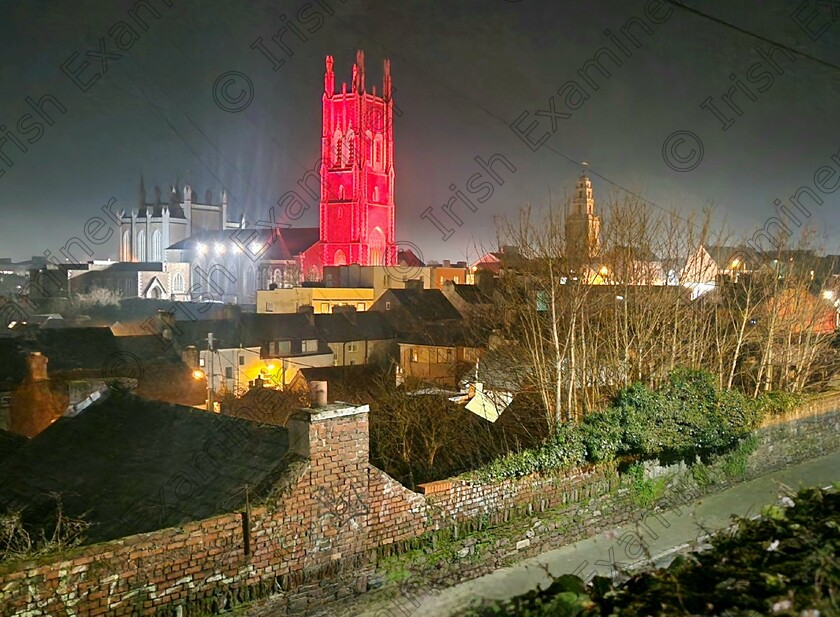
340,258
179,285
336,148
141,245
378,157
369,147
157,248
349,147
248,283
126,246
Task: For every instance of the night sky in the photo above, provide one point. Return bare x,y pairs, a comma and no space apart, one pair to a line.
463,72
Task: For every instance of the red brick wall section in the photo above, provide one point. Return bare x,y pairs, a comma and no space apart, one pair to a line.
328,513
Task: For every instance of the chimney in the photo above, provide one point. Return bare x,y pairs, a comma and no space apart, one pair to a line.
309,311
36,367
335,440
190,356
414,284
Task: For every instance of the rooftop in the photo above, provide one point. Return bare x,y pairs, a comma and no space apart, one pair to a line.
128,465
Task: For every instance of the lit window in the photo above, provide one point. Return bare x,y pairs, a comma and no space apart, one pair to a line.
325,307
360,306
387,306
414,355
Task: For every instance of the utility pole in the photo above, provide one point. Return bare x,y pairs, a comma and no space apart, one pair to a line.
210,373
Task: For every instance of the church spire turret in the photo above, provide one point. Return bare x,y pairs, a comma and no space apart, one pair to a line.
329,77
359,72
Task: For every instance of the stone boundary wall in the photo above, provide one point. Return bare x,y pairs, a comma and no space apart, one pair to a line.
318,537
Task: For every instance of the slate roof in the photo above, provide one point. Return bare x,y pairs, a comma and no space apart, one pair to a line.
257,328
472,294
284,244
348,383
353,326
120,462
423,304
94,348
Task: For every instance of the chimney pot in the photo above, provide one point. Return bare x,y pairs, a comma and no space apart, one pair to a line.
318,393
36,365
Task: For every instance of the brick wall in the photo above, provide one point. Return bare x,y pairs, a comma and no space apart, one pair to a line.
315,538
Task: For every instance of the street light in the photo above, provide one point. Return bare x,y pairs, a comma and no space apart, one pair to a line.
198,374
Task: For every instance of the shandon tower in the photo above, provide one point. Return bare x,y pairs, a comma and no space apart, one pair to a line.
357,171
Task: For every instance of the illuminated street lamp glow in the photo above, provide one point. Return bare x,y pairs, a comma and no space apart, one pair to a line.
220,249
202,248
198,374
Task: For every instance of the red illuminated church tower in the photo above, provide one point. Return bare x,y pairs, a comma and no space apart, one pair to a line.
357,172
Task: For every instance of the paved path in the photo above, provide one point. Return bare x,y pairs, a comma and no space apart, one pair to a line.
620,548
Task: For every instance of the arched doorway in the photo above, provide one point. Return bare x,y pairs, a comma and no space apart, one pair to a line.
340,258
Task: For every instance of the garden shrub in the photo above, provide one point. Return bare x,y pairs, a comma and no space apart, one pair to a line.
688,417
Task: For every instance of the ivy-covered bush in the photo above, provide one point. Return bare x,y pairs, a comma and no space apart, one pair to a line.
603,435
565,449
776,403
688,416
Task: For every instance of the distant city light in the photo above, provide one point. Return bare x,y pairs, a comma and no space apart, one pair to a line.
220,248
256,247
828,294
202,248
236,249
